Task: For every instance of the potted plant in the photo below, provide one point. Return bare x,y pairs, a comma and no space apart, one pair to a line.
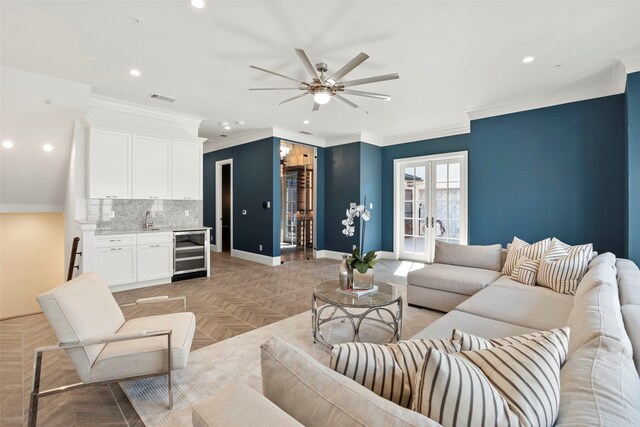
360,263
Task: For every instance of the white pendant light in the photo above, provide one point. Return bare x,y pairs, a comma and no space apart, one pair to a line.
322,96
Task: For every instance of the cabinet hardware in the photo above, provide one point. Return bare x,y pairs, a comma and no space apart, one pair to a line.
116,249
116,240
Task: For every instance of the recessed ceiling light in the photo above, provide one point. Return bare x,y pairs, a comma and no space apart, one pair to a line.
47,147
134,72
527,59
306,122
198,4
227,128
7,144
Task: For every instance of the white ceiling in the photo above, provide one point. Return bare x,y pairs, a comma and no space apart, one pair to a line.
36,110
451,56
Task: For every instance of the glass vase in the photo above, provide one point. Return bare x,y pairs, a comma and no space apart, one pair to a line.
363,281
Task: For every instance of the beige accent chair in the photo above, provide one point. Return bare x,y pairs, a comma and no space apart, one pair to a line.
103,347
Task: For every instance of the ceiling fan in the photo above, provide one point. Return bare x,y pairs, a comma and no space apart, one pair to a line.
324,88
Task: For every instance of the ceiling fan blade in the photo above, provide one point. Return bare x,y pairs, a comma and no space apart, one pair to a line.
345,100
316,106
279,88
349,66
308,65
370,80
367,94
293,98
279,75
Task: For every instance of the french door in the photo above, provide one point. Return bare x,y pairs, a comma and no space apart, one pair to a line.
430,204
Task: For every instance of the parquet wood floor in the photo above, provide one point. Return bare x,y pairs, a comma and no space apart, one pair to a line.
238,297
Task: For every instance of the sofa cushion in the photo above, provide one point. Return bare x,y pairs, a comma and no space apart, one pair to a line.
480,326
487,257
628,282
561,270
596,310
605,258
486,386
315,395
529,306
239,405
452,278
631,317
470,342
389,370
146,355
519,248
525,271
599,386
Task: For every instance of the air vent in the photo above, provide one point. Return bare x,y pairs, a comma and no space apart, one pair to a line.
304,132
224,136
162,98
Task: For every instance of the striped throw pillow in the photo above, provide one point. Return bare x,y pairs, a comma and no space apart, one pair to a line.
577,248
389,370
520,248
469,342
526,270
562,271
517,384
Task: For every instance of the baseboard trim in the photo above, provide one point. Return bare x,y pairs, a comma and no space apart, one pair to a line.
261,259
138,285
213,248
329,254
387,255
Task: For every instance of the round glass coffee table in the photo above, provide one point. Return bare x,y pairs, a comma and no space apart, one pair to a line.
355,309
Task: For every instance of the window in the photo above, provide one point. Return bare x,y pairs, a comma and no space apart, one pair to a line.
430,199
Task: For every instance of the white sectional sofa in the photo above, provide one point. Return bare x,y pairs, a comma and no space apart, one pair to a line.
600,384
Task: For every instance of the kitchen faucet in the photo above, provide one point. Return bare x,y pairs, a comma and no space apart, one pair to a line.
147,222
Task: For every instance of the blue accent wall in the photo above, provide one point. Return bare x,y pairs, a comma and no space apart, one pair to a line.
255,180
401,151
320,194
371,187
632,117
553,171
342,186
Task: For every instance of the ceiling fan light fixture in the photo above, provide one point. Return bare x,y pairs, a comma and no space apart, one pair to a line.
322,97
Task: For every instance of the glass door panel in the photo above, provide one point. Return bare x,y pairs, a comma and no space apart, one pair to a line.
415,201
447,201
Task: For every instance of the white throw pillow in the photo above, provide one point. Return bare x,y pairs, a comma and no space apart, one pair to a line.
520,248
389,370
507,385
561,270
526,270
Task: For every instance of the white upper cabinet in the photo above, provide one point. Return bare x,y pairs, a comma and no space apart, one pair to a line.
186,171
151,167
109,164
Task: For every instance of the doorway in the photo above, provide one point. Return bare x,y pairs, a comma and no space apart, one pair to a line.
297,201
224,206
430,199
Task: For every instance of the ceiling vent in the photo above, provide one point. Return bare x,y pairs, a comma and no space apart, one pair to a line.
162,98
304,132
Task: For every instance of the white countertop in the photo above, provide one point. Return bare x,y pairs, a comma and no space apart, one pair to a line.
167,229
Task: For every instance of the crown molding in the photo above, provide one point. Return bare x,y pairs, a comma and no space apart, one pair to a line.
221,144
294,136
631,62
118,106
548,100
451,130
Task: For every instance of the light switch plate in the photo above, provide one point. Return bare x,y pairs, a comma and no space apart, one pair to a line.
370,205
186,213
244,211
112,214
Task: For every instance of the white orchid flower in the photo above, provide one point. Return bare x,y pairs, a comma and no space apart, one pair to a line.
366,215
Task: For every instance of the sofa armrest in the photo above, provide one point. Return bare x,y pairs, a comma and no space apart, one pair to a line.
315,395
241,406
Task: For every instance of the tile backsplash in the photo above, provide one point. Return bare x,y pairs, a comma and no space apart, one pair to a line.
130,214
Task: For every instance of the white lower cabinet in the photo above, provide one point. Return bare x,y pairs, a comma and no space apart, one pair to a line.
155,261
116,265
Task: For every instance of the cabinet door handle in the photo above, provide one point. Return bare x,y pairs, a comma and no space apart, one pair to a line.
155,246
116,249
116,240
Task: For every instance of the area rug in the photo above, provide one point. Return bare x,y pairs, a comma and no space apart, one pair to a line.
237,360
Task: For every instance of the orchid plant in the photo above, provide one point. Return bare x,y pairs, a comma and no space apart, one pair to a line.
358,259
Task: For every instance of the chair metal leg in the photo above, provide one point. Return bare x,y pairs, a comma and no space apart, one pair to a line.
169,373
33,405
